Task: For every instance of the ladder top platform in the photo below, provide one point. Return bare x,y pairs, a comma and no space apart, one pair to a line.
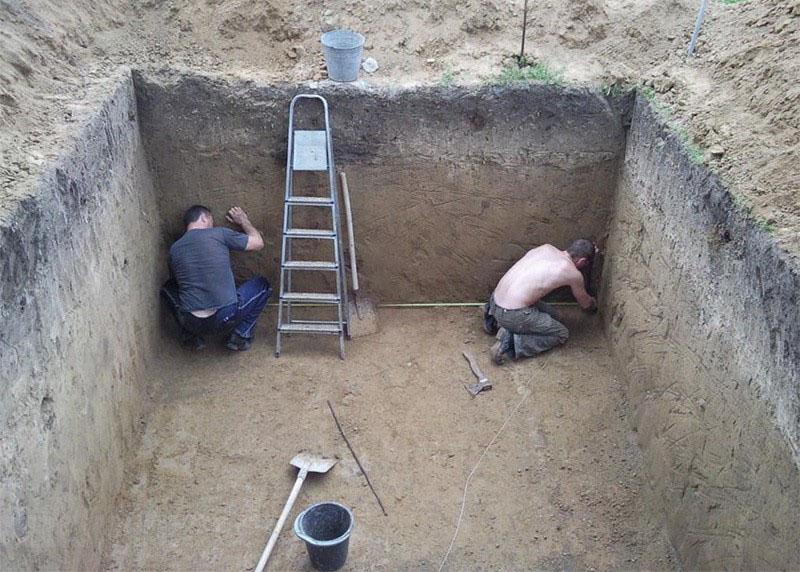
310,151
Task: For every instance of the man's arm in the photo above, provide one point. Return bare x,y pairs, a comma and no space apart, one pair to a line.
578,288
254,239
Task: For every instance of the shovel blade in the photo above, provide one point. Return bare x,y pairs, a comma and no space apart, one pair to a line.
313,463
363,317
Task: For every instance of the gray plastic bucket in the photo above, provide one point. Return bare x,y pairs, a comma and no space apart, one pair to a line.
342,49
325,527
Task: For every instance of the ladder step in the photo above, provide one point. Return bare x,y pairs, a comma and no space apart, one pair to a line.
319,297
310,233
310,265
313,201
326,328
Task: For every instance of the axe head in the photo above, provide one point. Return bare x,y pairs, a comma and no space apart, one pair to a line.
476,388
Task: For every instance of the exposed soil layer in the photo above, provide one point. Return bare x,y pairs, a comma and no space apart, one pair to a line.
562,487
703,316
737,99
79,324
444,182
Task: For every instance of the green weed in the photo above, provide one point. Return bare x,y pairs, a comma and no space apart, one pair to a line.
767,225
614,89
731,2
743,204
527,71
648,93
694,152
448,77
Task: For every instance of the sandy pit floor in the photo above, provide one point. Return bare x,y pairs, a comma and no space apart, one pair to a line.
561,487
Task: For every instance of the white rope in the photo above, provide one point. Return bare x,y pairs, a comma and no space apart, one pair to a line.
472,472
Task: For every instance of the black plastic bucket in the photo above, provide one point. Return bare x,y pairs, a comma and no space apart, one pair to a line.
325,527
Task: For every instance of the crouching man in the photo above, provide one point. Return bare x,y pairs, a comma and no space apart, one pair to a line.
202,294
524,325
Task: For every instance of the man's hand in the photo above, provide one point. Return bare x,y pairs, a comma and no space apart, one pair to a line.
592,309
254,239
238,216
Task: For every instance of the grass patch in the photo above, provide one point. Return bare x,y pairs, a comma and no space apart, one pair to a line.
448,77
615,89
648,93
694,152
767,225
743,204
731,2
525,70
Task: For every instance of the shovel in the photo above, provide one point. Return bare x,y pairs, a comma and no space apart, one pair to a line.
361,308
307,463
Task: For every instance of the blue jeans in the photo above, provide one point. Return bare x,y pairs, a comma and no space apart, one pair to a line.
240,317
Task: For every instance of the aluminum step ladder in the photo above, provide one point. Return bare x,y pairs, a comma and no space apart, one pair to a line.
311,150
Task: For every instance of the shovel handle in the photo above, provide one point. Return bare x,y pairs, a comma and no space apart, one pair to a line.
348,213
301,476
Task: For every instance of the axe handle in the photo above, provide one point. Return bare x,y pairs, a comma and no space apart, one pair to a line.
474,367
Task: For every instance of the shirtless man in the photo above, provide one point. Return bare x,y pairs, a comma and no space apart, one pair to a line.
524,325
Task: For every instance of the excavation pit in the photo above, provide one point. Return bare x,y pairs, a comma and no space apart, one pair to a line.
664,433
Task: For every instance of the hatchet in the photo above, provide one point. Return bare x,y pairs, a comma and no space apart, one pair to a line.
483,382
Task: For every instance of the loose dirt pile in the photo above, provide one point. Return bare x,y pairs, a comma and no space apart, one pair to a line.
737,99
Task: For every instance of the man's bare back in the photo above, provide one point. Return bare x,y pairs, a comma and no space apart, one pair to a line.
538,273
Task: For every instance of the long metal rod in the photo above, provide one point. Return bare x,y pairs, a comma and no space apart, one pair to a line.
455,304
430,304
360,466
524,31
697,24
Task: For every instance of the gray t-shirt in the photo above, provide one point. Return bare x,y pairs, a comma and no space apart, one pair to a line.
201,265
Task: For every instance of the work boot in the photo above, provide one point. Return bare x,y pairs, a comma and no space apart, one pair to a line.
489,323
193,342
502,349
239,344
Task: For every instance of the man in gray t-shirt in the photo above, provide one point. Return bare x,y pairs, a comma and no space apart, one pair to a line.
202,293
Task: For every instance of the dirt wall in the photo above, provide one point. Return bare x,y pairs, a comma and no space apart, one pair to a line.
702,310
449,186
79,315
